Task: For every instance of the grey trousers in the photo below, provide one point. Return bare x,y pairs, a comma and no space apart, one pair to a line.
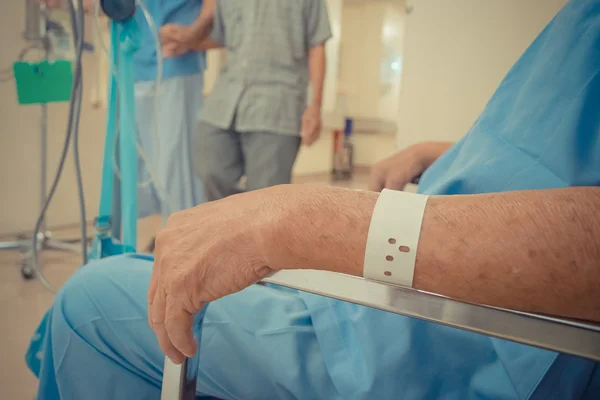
224,156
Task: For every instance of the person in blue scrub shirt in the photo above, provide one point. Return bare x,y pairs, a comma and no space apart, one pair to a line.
511,221
165,128
171,184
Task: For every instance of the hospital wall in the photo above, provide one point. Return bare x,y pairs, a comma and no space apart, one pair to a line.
367,31
454,55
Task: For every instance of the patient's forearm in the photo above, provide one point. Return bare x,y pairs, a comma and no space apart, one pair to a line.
536,251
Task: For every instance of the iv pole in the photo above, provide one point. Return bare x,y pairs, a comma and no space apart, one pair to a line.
36,32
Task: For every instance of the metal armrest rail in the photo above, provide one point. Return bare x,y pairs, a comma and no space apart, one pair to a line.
560,335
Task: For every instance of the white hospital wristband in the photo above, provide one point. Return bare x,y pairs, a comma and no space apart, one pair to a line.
391,250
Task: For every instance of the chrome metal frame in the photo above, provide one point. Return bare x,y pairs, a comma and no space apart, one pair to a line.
44,240
561,335
179,381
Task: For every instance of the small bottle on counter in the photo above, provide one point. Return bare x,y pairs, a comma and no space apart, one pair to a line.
343,152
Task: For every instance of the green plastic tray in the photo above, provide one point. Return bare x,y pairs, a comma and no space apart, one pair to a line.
43,82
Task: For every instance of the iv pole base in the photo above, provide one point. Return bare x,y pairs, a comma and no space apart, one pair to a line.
45,242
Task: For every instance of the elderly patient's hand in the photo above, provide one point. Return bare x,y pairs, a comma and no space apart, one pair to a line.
404,167
398,170
203,254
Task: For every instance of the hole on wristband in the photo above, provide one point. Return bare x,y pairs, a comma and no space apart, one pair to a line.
389,258
387,273
404,249
392,241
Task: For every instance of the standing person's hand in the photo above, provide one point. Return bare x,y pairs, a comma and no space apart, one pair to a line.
176,39
311,125
203,254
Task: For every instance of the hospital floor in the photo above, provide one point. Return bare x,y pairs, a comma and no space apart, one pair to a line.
23,303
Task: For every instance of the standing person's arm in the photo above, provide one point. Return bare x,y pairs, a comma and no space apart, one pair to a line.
318,32
207,44
178,39
203,24
217,30
316,64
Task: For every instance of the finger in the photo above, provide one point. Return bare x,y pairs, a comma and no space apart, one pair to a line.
315,131
376,184
179,325
304,134
316,134
308,128
171,32
154,277
174,49
179,50
152,290
395,183
179,34
159,307
169,50
153,281
169,37
166,32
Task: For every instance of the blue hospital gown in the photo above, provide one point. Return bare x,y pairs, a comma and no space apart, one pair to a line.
541,129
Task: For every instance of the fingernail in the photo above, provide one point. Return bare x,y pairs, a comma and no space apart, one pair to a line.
178,360
190,354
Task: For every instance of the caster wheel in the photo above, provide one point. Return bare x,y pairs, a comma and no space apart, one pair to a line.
27,272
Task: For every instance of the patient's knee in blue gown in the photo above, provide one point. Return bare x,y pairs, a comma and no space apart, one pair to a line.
114,285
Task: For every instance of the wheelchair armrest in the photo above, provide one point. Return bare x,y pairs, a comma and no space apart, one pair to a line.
556,334
560,335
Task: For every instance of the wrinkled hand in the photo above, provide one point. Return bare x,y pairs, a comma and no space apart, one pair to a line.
311,125
398,170
203,254
176,40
